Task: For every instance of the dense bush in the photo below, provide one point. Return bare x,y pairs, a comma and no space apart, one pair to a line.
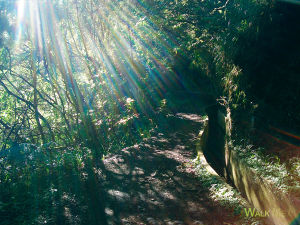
45,185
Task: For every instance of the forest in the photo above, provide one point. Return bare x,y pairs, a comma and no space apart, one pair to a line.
138,111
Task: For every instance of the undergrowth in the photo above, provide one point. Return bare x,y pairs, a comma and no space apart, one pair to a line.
223,193
284,176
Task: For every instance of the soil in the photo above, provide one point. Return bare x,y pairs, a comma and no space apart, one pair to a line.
149,183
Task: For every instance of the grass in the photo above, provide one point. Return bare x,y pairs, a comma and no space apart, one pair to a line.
284,176
223,193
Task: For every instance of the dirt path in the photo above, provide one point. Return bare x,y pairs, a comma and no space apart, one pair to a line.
148,184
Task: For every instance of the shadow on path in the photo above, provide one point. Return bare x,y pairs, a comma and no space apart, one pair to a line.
149,184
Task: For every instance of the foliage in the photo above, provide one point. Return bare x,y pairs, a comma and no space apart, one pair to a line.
36,182
82,78
221,192
74,65
247,49
269,167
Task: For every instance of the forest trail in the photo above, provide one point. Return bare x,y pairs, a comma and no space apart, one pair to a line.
150,184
